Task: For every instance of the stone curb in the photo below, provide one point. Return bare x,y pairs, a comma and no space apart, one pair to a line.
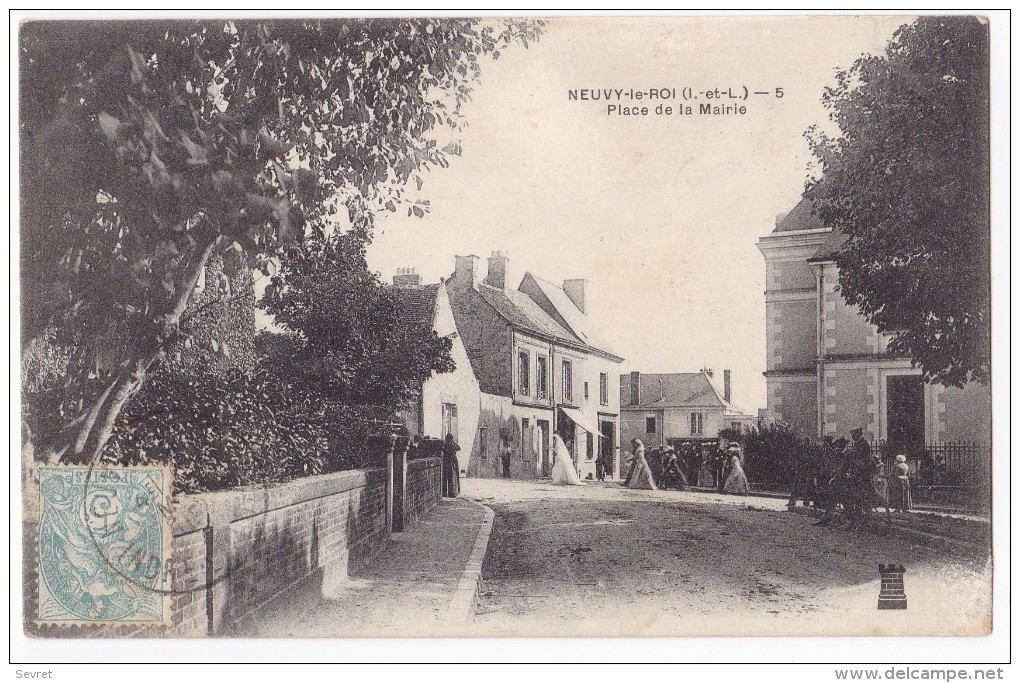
907,534
461,610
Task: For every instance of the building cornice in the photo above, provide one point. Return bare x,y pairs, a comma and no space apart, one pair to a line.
532,404
792,233
791,372
792,244
783,295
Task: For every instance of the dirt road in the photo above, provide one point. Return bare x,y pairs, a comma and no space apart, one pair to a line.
603,560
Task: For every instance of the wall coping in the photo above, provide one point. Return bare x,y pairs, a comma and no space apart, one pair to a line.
196,511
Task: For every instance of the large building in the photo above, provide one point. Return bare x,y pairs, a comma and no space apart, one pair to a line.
669,409
829,370
542,369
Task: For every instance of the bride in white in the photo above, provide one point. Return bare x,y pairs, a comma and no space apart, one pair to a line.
563,472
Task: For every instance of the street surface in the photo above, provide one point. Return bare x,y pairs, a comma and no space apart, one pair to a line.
601,560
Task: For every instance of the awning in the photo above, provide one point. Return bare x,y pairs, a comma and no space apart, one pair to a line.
580,420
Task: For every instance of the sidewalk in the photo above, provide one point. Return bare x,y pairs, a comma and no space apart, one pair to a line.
919,508
423,583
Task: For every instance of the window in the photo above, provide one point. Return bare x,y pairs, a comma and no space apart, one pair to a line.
649,425
585,391
524,368
450,420
697,424
590,453
568,381
542,377
603,388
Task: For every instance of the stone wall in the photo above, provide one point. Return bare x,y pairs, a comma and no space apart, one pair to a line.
236,551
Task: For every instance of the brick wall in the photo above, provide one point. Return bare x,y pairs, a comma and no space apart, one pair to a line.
424,488
236,551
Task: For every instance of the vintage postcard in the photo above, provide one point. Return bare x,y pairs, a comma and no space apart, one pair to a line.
521,327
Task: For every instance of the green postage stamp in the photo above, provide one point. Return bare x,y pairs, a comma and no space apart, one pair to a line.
104,546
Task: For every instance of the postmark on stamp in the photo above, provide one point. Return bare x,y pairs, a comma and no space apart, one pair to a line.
104,545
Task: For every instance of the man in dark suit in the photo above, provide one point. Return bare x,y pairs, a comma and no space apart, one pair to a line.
719,460
505,452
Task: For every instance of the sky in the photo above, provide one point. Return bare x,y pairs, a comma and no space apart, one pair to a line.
659,213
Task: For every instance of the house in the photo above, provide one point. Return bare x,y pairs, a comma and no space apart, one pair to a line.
542,369
829,370
677,407
448,402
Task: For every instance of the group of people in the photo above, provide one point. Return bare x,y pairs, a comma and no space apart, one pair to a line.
727,467
692,464
851,477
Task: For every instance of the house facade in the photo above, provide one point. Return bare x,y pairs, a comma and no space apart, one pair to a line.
668,409
829,369
541,367
449,403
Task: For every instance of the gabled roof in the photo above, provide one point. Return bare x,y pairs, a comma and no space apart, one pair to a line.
800,217
416,303
576,321
680,390
521,311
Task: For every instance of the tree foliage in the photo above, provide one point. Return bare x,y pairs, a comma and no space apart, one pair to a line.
149,147
350,340
906,180
222,429
772,453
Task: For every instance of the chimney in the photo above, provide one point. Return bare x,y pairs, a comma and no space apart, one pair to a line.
575,290
497,275
635,388
708,371
726,385
406,277
466,271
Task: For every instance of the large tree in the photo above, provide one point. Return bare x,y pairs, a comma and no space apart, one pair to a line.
906,179
350,340
148,147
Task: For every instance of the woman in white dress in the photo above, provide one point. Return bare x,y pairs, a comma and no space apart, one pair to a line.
640,476
563,472
737,481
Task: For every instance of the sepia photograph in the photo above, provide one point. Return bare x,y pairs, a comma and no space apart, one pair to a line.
559,327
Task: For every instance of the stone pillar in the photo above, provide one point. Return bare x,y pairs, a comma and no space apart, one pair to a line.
892,595
399,477
391,443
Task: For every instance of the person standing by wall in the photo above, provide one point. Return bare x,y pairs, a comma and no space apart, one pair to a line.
600,468
451,468
505,452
